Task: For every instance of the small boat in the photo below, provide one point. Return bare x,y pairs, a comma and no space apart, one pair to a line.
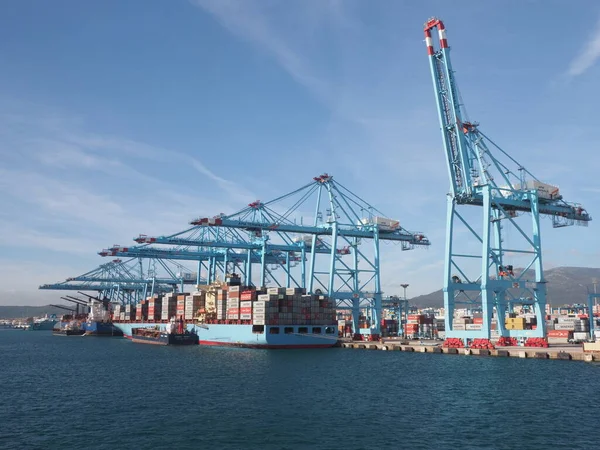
70,328
174,334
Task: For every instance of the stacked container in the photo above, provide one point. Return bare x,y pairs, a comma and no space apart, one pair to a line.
210,305
180,306
141,311
460,323
193,303
259,312
233,309
412,324
581,329
129,312
117,312
154,308
514,323
169,306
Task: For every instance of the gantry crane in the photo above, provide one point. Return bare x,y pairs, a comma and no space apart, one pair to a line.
128,281
224,240
212,259
340,221
482,174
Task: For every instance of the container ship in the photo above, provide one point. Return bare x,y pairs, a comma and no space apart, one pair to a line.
233,315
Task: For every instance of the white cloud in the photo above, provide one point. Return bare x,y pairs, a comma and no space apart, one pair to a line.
588,55
236,192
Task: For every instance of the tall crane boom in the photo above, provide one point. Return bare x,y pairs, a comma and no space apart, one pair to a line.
449,110
483,174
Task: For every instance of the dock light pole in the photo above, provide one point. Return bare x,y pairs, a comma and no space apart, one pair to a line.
404,286
400,325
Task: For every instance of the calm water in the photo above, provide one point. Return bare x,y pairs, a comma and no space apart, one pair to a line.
108,393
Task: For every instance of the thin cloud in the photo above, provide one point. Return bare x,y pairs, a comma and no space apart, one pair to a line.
588,56
235,191
248,22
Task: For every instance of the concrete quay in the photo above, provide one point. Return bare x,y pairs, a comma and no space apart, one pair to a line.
562,352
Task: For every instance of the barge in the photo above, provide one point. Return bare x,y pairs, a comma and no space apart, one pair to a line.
172,334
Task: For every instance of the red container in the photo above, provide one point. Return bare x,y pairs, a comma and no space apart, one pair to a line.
246,310
559,333
478,320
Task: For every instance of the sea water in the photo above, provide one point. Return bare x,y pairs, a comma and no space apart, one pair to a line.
110,393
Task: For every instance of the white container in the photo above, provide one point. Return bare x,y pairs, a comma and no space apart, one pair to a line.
263,297
567,319
258,321
383,223
458,327
245,316
259,304
472,326
234,289
581,336
544,190
246,304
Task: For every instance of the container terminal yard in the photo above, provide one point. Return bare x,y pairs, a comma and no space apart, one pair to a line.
304,270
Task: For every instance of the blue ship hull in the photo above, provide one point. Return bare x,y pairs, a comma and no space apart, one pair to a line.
101,329
272,336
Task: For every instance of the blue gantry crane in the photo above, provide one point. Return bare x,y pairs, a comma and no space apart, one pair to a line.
482,174
212,260
229,242
128,281
340,221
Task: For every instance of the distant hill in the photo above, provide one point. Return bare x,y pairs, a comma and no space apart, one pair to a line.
564,287
20,312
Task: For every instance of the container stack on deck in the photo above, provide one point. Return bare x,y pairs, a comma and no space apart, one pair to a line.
169,307
193,303
117,312
154,308
141,311
129,312
221,303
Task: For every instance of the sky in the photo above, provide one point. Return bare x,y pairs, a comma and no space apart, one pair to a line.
126,117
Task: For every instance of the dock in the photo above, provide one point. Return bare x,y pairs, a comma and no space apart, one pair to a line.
559,351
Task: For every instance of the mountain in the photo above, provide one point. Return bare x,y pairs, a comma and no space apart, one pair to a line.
566,285
21,312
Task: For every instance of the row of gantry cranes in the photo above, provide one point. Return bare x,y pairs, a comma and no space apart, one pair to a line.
337,251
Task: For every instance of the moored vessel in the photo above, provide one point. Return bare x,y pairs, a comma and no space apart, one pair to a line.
174,333
232,315
42,324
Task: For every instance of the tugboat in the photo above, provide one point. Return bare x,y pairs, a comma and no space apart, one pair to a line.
174,334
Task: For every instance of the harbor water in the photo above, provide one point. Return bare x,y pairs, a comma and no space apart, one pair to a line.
106,393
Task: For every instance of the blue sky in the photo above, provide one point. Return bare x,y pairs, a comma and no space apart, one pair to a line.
120,118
